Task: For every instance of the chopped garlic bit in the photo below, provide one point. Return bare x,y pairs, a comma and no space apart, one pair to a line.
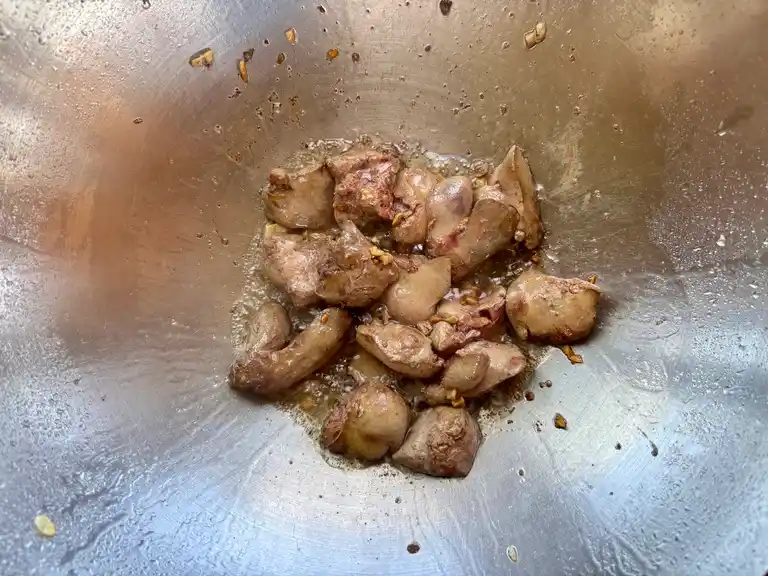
45,526
571,355
380,255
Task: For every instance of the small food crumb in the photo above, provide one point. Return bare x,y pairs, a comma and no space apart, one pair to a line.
618,446
248,54
538,425
445,7
202,59
398,500
355,57
560,421
138,120
324,319
321,9
536,35
428,48
721,241
281,58
291,35
592,279
529,395
571,355
413,548
242,70
332,54
45,526
512,553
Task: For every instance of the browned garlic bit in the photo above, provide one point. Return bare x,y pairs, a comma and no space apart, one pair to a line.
202,58
242,70
536,35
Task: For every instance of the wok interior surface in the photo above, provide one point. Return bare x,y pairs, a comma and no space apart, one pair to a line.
127,208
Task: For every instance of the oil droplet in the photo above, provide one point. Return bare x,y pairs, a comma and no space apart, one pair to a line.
512,553
45,526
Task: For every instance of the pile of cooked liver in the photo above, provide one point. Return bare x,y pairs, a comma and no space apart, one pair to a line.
320,249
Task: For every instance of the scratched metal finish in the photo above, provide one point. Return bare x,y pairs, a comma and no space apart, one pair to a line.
122,246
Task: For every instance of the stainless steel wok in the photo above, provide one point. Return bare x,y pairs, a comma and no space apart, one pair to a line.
127,205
